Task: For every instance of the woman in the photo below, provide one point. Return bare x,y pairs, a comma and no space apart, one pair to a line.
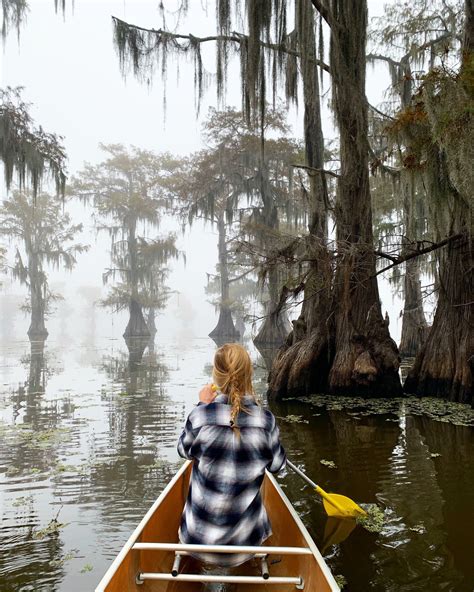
231,440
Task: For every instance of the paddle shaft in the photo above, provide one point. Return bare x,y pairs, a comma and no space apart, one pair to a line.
341,506
301,474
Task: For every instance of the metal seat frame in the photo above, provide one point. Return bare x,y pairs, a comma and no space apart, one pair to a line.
182,550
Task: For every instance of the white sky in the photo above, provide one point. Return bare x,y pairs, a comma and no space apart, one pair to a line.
70,72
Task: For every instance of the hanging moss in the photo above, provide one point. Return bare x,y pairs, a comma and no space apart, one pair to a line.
13,14
28,152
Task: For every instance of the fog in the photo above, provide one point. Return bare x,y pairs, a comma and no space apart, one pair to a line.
70,73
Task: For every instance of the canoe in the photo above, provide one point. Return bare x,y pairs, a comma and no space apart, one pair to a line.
289,560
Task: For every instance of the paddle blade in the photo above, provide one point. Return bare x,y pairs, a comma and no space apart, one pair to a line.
340,506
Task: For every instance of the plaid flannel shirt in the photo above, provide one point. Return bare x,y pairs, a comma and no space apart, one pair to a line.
224,504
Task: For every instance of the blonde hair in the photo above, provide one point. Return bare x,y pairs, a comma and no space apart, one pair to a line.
232,374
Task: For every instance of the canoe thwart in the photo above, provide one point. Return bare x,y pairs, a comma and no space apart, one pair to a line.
220,579
180,547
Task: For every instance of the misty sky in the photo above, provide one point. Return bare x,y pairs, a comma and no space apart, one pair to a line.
71,74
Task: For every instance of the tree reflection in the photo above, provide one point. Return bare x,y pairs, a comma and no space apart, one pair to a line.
125,464
31,451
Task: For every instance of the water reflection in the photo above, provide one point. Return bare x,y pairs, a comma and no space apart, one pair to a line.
96,442
336,531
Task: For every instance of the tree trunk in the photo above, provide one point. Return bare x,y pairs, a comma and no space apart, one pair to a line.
445,365
414,325
136,326
225,328
302,364
276,326
366,359
37,329
151,321
341,343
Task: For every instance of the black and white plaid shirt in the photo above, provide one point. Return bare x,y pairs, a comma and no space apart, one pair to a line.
224,504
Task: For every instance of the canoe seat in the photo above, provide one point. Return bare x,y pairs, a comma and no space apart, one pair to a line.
261,553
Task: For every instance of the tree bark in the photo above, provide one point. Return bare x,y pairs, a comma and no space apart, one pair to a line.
345,344
225,328
445,365
366,359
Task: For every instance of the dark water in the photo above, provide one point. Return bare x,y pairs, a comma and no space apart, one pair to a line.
87,441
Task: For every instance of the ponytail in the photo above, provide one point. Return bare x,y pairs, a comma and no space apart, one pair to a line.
233,376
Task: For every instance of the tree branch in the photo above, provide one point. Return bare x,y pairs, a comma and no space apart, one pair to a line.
326,13
416,253
234,37
313,170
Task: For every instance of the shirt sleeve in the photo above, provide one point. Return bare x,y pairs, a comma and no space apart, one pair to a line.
186,440
277,451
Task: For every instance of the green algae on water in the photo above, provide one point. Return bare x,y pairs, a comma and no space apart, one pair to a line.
340,581
373,521
441,410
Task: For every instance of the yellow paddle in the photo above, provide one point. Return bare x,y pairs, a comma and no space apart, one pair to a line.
336,505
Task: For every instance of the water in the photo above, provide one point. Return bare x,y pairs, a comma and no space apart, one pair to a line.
87,442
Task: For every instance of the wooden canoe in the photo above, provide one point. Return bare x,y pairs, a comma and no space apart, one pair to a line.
144,556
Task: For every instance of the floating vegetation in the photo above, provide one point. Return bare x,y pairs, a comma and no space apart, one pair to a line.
67,557
52,529
330,464
437,409
373,521
23,500
87,567
294,419
32,438
340,581
419,528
